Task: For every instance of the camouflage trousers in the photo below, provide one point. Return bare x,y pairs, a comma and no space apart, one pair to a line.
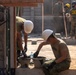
56,68
73,29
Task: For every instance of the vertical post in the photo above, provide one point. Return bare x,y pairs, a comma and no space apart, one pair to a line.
12,53
32,13
8,39
18,11
71,3
52,7
12,41
42,17
13,37
15,54
64,19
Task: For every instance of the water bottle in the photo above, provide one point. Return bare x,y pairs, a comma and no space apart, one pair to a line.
31,64
31,55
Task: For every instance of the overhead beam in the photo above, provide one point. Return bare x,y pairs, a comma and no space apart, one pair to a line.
40,1
19,4
14,1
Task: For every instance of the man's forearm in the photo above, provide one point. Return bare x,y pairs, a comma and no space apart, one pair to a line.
25,38
19,41
41,45
60,59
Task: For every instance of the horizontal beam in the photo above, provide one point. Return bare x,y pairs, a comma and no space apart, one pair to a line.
40,1
21,1
20,4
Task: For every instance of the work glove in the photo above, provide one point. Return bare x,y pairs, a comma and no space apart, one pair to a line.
52,65
25,48
36,54
23,52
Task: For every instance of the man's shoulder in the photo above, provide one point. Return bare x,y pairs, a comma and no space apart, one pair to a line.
61,42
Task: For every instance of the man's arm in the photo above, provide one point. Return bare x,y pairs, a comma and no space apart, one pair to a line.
41,45
19,40
39,48
63,52
25,40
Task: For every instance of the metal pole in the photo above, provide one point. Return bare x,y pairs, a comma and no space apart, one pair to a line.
42,17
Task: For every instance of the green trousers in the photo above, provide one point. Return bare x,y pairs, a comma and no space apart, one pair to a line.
56,68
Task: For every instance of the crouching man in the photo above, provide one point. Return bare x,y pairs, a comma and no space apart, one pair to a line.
61,53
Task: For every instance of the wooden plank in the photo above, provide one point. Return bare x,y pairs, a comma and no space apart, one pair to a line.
4,1
40,1
13,56
2,44
18,1
20,4
27,71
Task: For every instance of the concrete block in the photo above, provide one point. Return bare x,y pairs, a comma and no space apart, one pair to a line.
27,71
69,72
58,35
34,42
25,62
70,41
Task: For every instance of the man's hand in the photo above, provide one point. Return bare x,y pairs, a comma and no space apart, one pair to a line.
25,48
23,52
36,54
51,65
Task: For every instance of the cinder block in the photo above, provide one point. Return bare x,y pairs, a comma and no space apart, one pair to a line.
34,42
25,62
27,71
68,72
70,41
58,35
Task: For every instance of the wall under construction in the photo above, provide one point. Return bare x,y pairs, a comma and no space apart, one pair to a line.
51,21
